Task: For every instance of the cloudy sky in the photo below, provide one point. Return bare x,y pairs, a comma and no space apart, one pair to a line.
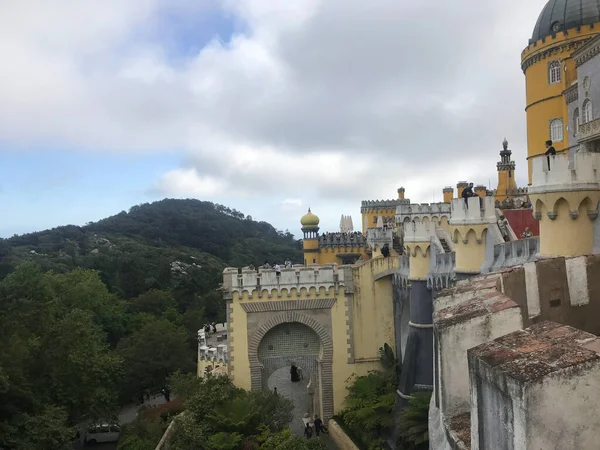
267,106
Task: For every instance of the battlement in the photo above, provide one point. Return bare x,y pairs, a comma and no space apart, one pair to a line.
480,210
295,280
582,173
423,208
378,237
418,231
354,238
540,49
367,205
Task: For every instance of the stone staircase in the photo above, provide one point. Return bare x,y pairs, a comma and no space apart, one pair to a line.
397,245
445,245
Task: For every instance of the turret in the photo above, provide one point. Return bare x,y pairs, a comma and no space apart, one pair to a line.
565,198
401,193
417,240
468,229
310,243
507,185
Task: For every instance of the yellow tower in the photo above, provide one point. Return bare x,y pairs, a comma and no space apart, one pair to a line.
469,227
562,27
565,201
417,240
310,243
507,185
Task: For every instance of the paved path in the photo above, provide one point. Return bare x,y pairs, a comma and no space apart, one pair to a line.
296,392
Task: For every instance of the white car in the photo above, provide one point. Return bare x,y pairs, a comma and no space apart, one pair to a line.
102,432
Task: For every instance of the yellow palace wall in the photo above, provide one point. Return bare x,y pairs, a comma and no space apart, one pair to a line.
371,326
372,215
544,101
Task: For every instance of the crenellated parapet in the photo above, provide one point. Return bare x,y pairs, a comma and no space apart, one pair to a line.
319,280
565,194
378,237
477,211
418,231
375,205
419,212
351,239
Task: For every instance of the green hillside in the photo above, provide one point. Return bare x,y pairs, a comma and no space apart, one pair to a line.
181,246
93,317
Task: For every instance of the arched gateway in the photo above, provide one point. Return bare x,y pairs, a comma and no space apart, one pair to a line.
299,316
294,338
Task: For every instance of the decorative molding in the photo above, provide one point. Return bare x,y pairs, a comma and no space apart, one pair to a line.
288,305
479,240
420,325
574,214
592,215
256,375
588,53
572,93
537,215
551,215
349,329
552,51
229,318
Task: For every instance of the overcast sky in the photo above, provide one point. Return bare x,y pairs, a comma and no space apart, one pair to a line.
266,106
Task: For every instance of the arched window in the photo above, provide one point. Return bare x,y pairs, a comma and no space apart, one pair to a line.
556,130
586,111
575,121
554,72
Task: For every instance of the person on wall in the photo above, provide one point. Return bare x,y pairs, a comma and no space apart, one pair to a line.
467,193
550,150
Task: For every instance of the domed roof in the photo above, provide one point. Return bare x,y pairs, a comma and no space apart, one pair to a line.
309,220
561,15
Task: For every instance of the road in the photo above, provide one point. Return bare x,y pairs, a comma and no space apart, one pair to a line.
127,415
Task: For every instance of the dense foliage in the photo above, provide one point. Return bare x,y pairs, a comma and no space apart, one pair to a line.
179,246
370,402
414,422
92,317
219,416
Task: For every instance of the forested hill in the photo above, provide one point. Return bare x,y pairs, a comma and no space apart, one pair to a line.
154,245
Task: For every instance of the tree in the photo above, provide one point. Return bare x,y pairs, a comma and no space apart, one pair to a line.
371,399
219,416
153,302
414,421
152,354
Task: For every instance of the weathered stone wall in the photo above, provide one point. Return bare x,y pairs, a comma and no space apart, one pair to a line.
563,290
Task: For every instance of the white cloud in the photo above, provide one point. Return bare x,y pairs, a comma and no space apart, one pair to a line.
335,101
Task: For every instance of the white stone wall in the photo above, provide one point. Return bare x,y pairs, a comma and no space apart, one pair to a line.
296,278
418,231
562,176
481,210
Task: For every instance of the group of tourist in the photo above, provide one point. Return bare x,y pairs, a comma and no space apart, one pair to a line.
318,425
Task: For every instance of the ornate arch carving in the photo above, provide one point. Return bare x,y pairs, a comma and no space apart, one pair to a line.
326,363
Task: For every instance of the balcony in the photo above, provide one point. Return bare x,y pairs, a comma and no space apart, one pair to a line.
589,131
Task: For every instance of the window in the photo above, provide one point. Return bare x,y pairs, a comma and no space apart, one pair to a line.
554,72
556,130
575,121
587,111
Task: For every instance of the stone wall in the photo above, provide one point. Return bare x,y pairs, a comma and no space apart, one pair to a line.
489,372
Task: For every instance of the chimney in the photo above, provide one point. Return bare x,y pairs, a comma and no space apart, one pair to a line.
448,194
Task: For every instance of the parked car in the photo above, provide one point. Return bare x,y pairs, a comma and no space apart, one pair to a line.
102,432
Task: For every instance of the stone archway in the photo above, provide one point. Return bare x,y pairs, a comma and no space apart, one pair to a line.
319,364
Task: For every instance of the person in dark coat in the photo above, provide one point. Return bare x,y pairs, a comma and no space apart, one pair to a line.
295,376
